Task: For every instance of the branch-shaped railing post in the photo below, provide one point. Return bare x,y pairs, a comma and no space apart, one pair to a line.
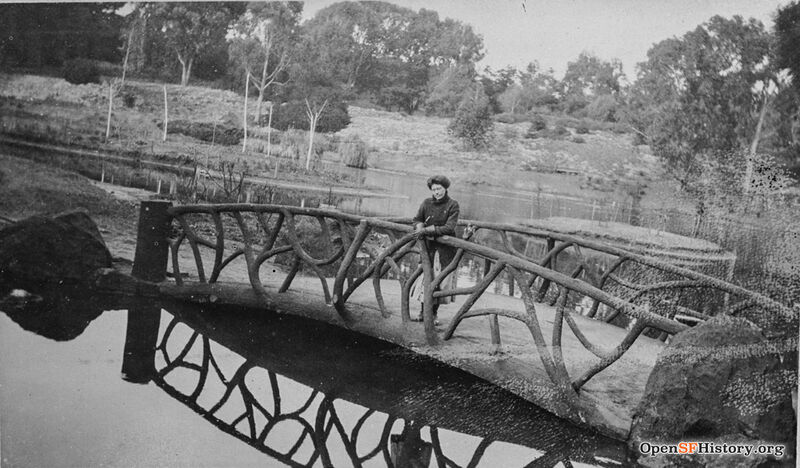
344,268
427,281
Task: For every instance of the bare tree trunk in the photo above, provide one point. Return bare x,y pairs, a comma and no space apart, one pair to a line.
244,117
110,105
166,116
259,101
127,54
311,129
748,173
269,132
313,118
186,69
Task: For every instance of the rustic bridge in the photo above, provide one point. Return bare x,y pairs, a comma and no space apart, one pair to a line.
571,324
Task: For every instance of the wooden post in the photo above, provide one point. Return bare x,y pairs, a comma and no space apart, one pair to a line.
150,259
244,118
494,328
269,137
172,187
158,187
110,104
166,116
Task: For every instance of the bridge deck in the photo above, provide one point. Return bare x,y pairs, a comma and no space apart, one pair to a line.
515,365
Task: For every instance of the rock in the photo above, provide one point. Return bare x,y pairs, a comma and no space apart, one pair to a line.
63,249
721,380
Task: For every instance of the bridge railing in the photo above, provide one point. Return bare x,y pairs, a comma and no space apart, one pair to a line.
661,286
330,245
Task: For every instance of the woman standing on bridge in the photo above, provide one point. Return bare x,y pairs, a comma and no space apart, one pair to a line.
438,216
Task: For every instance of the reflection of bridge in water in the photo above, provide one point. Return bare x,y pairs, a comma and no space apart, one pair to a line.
531,341
308,394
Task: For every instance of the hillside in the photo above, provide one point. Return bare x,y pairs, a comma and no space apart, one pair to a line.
607,164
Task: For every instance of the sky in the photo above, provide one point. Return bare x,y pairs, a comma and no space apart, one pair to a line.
555,32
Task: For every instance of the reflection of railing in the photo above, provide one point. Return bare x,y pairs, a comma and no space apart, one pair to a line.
302,426
327,243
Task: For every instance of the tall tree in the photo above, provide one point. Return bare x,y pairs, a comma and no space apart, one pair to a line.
260,43
390,52
588,77
787,30
189,28
701,97
535,88
47,34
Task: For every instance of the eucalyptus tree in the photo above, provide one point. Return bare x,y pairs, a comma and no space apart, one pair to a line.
388,52
531,88
701,98
190,28
787,30
261,41
589,77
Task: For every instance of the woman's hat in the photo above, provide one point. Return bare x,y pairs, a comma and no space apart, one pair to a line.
439,179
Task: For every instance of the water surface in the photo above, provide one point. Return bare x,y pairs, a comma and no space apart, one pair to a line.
232,387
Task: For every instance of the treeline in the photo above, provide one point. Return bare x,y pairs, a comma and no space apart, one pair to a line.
727,89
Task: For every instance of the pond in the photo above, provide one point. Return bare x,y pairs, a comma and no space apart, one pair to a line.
91,381
477,201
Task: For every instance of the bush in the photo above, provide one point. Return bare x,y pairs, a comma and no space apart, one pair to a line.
578,139
537,123
473,121
560,130
129,99
291,143
292,114
574,104
353,151
603,108
221,134
582,128
81,71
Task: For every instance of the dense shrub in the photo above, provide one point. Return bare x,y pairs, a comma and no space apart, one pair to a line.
582,128
291,143
574,104
353,151
578,139
560,130
292,114
81,71
129,99
220,134
473,121
603,108
537,123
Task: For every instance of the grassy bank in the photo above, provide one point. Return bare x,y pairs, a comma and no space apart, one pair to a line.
50,108
28,188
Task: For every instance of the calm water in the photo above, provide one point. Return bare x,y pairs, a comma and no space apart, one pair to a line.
486,203
230,387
